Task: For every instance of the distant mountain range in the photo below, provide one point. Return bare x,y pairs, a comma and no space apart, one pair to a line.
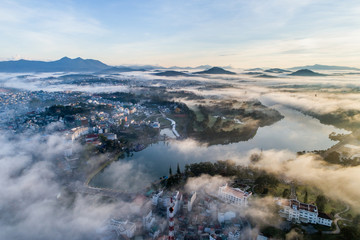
121,69
215,70
254,69
265,76
276,70
306,73
324,67
64,64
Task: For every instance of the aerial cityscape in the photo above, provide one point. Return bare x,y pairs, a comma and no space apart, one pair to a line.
234,120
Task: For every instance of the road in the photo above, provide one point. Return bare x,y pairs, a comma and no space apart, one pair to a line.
337,218
173,124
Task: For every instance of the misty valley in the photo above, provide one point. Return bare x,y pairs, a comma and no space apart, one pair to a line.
147,152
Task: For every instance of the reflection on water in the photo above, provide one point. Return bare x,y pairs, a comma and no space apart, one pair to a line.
295,132
167,132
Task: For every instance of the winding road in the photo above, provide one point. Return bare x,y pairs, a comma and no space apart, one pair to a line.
337,218
173,125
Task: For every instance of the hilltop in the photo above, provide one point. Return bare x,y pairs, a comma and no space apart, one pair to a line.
306,73
171,74
215,70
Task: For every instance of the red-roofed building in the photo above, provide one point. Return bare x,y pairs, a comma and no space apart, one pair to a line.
293,210
91,138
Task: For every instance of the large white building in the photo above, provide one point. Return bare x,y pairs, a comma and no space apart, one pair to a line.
234,196
78,132
124,228
293,210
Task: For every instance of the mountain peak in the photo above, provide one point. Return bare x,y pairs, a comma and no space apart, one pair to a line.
65,58
215,70
306,73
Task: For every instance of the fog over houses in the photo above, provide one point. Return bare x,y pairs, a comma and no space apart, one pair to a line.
194,120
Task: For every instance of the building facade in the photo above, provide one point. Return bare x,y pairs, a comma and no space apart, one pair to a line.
234,196
293,210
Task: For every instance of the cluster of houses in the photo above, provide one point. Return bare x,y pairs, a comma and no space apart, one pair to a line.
173,215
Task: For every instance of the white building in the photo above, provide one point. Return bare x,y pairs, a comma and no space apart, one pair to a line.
176,199
293,210
79,131
148,221
124,228
155,198
191,201
110,136
234,196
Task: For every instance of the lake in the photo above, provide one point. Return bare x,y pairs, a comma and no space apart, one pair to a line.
295,132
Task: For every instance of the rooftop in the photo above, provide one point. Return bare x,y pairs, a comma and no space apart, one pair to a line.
299,205
236,192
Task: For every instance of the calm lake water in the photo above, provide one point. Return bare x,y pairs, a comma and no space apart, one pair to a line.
295,132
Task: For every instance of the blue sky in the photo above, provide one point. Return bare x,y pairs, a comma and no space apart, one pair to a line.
241,33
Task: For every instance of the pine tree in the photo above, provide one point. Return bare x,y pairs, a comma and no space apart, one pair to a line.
178,169
306,197
170,171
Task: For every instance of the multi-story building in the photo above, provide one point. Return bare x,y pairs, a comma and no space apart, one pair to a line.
234,196
123,228
191,201
294,210
175,200
148,221
155,198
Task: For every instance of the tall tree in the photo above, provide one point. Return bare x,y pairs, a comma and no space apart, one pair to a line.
286,193
178,169
321,202
170,171
306,196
